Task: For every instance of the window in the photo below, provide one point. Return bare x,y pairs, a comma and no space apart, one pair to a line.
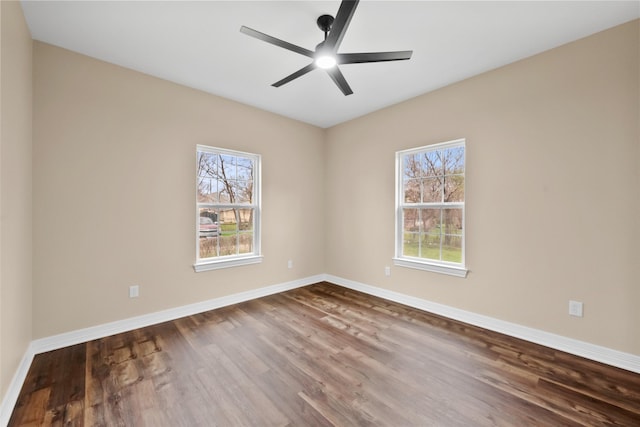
430,208
227,225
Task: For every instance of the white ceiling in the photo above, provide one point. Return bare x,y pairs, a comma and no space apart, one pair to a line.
199,44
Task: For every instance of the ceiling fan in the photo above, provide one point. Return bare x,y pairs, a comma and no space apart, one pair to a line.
326,54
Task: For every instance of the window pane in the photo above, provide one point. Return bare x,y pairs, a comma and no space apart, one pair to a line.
431,228
228,226
245,243
245,219
432,163
430,246
432,190
452,248
452,219
454,188
211,214
208,233
228,245
411,232
412,191
227,220
207,183
225,193
245,169
229,229
453,159
452,237
231,190
412,167
410,244
209,247
206,190
207,164
227,166
430,221
244,191
410,220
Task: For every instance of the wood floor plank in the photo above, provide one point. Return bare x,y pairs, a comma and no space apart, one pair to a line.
321,355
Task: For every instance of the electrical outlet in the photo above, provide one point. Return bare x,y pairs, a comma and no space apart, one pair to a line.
387,271
134,291
575,308
290,263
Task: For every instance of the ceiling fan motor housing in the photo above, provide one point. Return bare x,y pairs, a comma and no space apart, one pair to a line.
324,23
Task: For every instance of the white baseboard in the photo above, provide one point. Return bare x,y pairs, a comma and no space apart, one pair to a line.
95,332
598,353
100,331
11,396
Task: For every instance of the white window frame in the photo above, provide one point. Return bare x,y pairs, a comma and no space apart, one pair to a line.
445,267
225,261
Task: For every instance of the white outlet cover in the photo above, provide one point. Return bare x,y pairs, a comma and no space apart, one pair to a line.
134,291
575,308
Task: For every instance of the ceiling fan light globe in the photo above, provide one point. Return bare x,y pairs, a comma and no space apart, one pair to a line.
326,61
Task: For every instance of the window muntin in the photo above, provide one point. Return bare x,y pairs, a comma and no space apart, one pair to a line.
227,208
430,207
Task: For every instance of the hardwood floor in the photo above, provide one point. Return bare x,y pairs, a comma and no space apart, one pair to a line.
321,355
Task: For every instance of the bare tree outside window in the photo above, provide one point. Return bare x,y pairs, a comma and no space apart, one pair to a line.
431,203
225,196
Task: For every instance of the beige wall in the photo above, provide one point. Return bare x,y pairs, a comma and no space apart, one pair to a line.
114,192
15,190
553,200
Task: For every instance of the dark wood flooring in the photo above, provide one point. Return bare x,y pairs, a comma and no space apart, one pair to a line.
321,355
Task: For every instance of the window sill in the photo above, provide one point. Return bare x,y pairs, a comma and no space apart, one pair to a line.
226,263
427,266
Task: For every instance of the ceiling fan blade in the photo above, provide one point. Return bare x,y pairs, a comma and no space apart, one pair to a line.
339,80
299,73
280,43
358,58
340,24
